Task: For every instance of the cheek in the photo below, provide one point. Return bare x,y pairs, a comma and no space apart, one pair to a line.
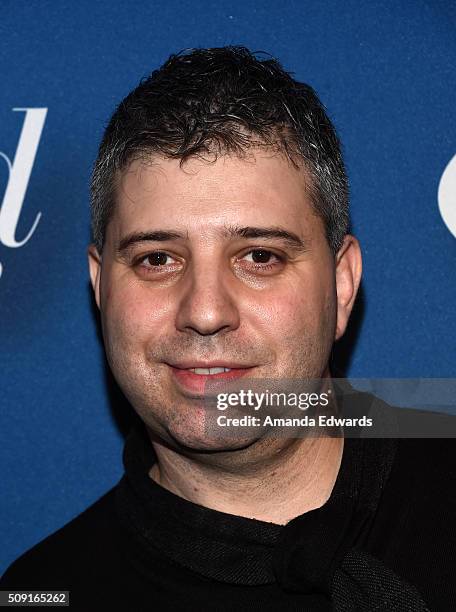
133,314
306,306
301,324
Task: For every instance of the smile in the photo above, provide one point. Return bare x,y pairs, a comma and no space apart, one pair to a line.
209,371
191,379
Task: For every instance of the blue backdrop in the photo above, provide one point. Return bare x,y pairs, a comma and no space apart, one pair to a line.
386,72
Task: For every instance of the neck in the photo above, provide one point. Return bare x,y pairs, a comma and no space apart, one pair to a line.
288,481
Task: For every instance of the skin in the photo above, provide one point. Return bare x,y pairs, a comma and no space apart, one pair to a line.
213,298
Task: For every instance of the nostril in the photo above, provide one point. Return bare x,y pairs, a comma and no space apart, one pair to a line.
201,331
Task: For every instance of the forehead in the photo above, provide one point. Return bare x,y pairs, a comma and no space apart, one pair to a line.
260,188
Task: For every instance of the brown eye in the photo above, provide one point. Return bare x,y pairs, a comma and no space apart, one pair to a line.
262,261
261,256
156,264
159,258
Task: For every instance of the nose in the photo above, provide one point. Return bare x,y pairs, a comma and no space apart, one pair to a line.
207,305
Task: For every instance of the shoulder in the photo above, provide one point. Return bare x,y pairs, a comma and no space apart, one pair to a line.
429,465
414,532
76,547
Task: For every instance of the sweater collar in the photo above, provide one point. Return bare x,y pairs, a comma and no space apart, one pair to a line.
301,555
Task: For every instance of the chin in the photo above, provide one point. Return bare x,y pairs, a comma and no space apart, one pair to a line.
208,442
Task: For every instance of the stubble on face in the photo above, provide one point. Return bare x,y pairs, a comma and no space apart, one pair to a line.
213,305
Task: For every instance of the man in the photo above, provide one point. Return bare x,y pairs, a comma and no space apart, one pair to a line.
221,253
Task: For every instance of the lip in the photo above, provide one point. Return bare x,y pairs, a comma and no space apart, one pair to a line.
192,383
186,365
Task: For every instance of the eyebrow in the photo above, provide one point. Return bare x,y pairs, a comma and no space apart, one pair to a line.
231,231
155,236
267,233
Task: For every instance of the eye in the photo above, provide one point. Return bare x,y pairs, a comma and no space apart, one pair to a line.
158,258
156,262
262,259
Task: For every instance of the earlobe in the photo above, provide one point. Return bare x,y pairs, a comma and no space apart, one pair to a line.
348,278
95,271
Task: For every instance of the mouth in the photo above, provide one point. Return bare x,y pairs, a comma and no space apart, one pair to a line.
193,378
209,371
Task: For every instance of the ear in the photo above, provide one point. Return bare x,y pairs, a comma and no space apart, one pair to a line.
348,278
95,271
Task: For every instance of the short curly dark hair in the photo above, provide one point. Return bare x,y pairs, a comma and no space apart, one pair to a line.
207,102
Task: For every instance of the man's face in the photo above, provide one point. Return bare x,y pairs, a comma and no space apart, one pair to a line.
220,264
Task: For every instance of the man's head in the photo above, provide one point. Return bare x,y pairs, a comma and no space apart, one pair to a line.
220,218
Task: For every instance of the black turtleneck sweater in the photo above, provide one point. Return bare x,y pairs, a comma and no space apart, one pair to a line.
384,541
